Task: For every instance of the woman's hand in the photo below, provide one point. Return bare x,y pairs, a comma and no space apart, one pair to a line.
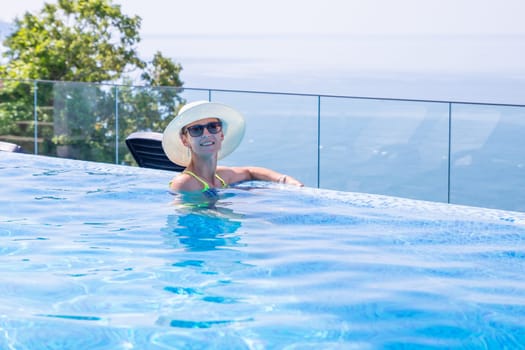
286,179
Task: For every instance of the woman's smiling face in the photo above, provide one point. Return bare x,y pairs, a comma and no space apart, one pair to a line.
207,142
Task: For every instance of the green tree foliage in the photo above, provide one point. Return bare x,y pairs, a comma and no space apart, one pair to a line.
74,40
88,41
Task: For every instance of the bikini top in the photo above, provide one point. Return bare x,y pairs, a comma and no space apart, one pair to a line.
207,190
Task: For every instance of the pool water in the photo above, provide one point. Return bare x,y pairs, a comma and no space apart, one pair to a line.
98,256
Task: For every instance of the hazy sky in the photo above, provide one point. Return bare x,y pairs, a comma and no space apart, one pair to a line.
307,16
436,49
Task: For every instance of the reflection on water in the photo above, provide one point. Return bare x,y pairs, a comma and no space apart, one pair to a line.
198,229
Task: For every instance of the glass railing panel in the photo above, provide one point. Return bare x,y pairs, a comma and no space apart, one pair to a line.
144,109
281,132
81,118
487,157
382,146
396,148
17,117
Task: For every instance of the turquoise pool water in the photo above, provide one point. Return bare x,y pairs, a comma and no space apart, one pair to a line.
97,256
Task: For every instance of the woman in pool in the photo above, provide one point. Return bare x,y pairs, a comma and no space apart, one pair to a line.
197,137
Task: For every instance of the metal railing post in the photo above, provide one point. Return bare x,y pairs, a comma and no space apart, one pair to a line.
449,148
116,125
318,141
35,115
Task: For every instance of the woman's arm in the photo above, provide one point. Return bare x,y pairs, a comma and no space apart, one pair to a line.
238,174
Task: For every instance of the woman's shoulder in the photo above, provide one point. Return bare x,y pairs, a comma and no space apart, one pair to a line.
184,183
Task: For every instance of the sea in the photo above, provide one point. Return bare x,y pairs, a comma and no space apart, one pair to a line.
467,68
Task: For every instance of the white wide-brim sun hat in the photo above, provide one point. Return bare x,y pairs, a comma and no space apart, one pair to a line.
233,127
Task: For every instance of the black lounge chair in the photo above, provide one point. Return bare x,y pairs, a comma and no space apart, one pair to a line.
10,147
146,149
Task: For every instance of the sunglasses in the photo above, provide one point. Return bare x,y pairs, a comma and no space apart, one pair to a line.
198,130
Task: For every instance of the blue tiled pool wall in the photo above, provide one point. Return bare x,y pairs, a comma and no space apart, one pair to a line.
457,152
